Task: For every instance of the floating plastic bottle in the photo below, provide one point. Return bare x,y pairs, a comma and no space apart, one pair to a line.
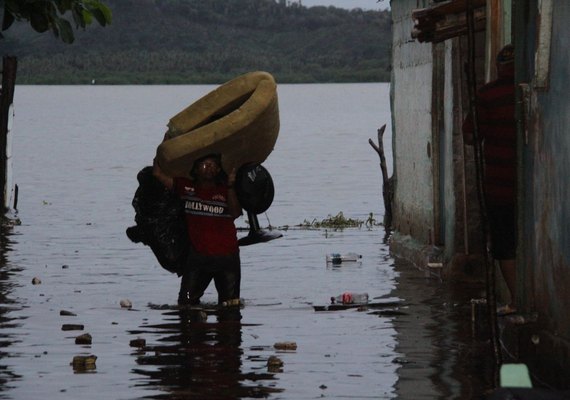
337,258
350,298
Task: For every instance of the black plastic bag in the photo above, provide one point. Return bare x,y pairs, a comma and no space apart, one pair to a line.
160,224
254,188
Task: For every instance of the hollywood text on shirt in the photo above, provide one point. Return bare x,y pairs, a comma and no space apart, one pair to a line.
197,206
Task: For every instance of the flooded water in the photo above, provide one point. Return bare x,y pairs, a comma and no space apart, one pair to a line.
77,151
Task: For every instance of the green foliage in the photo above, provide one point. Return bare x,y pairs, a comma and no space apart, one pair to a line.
44,15
339,221
336,223
211,41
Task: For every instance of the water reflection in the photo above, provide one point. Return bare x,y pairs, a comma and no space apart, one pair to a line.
200,359
7,305
440,357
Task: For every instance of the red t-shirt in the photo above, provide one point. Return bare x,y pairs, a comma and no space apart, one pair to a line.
211,228
497,127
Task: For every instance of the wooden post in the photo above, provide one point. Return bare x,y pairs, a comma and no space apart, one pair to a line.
479,161
387,183
6,99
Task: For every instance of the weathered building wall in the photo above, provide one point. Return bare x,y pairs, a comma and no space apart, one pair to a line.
464,244
433,204
545,238
413,211
432,168
550,147
452,160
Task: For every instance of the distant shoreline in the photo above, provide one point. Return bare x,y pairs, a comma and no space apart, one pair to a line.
209,42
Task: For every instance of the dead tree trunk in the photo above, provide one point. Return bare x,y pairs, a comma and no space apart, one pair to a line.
387,182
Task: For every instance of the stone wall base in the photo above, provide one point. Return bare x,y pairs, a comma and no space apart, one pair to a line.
461,267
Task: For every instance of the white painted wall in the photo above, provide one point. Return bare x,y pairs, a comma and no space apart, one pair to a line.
412,126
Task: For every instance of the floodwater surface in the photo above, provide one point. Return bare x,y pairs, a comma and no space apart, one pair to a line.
77,151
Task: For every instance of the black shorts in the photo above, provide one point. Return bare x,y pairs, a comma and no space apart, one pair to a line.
201,270
503,233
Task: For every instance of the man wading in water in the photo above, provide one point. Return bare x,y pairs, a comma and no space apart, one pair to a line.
211,206
497,129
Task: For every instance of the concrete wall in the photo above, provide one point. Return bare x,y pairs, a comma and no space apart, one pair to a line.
427,104
464,241
433,204
413,211
543,253
545,239
450,165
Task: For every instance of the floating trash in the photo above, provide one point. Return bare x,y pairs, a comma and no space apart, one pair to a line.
72,327
126,303
285,346
138,342
337,258
84,363
350,298
274,364
232,303
84,339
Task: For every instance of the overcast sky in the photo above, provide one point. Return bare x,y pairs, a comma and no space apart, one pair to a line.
349,4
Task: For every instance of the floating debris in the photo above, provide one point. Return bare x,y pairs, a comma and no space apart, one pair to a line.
350,298
84,339
347,258
285,346
84,363
67,313
232,303
138,342
339,221
200,316
274,364
72,327
126,303
385,303
36,281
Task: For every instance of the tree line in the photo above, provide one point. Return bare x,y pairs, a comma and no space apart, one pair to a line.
210,41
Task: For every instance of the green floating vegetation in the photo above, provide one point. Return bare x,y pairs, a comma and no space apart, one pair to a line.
339,221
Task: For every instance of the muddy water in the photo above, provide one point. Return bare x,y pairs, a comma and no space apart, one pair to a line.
77,151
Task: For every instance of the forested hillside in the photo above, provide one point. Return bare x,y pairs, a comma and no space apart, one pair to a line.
210,41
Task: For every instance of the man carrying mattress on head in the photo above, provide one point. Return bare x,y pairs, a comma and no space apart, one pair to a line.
211,206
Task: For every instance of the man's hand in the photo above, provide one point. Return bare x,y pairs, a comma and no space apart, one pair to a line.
161,176
233,202
232,177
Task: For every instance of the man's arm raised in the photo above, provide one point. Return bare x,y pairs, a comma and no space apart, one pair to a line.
159,174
